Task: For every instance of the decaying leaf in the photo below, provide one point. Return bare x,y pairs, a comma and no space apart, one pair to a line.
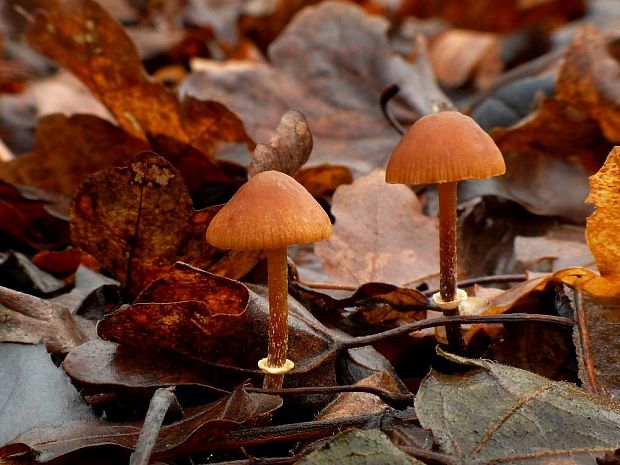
30,320
19,273
526,418
145,212
589,80
356,447
548,254
602,226
31,216
489,15
380,235
288,150
200,428
347,63
360,403
98,362
458,55
549,155
71,148
596,340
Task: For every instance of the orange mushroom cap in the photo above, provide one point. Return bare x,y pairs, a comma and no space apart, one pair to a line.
270,211
444,147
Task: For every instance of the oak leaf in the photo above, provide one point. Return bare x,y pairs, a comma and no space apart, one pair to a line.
380,235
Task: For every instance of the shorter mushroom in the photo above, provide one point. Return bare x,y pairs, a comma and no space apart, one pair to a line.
444,148
270,212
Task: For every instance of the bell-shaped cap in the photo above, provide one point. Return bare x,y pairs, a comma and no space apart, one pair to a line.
444,147
270,211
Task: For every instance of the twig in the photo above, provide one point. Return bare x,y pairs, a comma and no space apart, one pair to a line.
360,341
386,95
500,278
158,407
395,400
304,432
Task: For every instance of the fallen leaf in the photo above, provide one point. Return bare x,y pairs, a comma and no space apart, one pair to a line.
19,273
144,210
64,262
337,86
595,337
548,254
349,404
31,216
324,179
196,432
556,143
380,235
458,55
357,447
198,315
86,282
104,363
71,148
82,37
30,320
589,80
34,392
604,222
288,150
488,15
526,418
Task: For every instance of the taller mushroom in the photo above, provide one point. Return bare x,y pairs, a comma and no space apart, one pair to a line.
444,148
270,212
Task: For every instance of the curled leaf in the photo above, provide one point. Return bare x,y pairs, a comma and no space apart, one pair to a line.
288,150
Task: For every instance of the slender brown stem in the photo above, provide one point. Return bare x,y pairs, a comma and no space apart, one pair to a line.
447,240
447,259
278,314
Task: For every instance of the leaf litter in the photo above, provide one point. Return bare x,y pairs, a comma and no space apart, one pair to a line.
141,166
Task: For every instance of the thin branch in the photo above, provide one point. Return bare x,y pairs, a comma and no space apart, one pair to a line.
395,400
388,94
461,319
500,278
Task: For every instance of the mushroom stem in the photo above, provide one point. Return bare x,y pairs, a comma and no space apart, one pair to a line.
278,315
447,259
447,240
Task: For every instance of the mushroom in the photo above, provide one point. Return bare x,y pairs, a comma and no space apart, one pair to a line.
270,212
444,148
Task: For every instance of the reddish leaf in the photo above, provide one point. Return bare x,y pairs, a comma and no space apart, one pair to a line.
33,217
589,80
490,15
200,428
71,148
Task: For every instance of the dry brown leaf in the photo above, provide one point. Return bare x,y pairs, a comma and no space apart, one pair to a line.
350,404
30,320
347,62
590,79
288,149
547,254
145,212
82,37
603,226
380,235
491,15
549,155
458,55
